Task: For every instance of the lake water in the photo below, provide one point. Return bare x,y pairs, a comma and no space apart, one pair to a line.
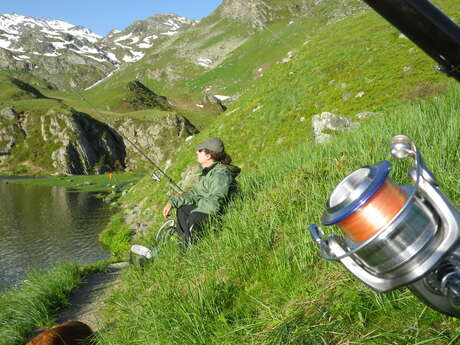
43,226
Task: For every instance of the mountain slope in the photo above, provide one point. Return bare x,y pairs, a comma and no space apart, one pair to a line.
288,71
73,56
256,276
129,45
226,51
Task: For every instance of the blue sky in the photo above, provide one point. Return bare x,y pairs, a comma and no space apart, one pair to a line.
101,16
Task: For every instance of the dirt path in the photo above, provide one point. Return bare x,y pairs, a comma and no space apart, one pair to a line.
88,298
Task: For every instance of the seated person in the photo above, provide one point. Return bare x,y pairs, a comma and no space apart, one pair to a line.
209,194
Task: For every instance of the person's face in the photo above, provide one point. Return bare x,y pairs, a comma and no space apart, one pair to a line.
203,158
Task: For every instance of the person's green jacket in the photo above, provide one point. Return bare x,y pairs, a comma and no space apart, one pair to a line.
211,191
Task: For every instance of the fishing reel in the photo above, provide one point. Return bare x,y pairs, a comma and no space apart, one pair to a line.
396,235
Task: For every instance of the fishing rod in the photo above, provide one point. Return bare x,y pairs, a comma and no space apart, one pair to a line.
428,27
154,176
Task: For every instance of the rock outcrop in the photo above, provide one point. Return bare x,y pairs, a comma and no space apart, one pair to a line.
326,121
258,13
69,142
9,132
255,12
140,97
64,141
86,145
159,139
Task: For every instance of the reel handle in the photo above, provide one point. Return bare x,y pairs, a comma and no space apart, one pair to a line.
402,147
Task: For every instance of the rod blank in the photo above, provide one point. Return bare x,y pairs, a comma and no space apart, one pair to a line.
426,26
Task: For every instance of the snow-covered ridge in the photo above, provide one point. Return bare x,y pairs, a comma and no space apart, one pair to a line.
48,38
56,38
16,24
32,43
142,34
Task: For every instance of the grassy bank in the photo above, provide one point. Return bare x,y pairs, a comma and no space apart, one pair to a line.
82,183
32,303
256,277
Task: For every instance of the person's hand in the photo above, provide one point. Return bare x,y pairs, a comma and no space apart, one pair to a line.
167,210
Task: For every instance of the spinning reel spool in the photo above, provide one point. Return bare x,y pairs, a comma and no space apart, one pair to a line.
396,235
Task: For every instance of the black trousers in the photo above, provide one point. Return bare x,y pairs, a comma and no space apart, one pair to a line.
189,223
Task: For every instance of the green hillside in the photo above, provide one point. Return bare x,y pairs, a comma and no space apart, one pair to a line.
245,53
330,56
275,113
256,277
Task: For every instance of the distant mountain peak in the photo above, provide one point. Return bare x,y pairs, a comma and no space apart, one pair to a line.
50,48
16,24
130,44
255,12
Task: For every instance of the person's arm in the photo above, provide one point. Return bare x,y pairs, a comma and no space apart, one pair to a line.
188,198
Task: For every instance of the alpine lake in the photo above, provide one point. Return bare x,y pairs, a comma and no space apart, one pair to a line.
42,226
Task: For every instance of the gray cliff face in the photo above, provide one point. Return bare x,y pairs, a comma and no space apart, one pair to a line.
258,13
70,142
86,145
159,140
9,132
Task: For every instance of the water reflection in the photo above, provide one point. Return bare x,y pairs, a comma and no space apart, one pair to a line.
42,226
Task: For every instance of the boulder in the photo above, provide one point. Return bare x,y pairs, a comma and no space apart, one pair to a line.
329,122
9,114
140,97
217,100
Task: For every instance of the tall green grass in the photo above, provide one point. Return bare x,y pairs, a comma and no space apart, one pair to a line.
31,304
257,278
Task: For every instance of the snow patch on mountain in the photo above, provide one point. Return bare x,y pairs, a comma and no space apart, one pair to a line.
105,78
123,38
204,62
54,48
142,34
48,38
15,24
5,44
135,56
